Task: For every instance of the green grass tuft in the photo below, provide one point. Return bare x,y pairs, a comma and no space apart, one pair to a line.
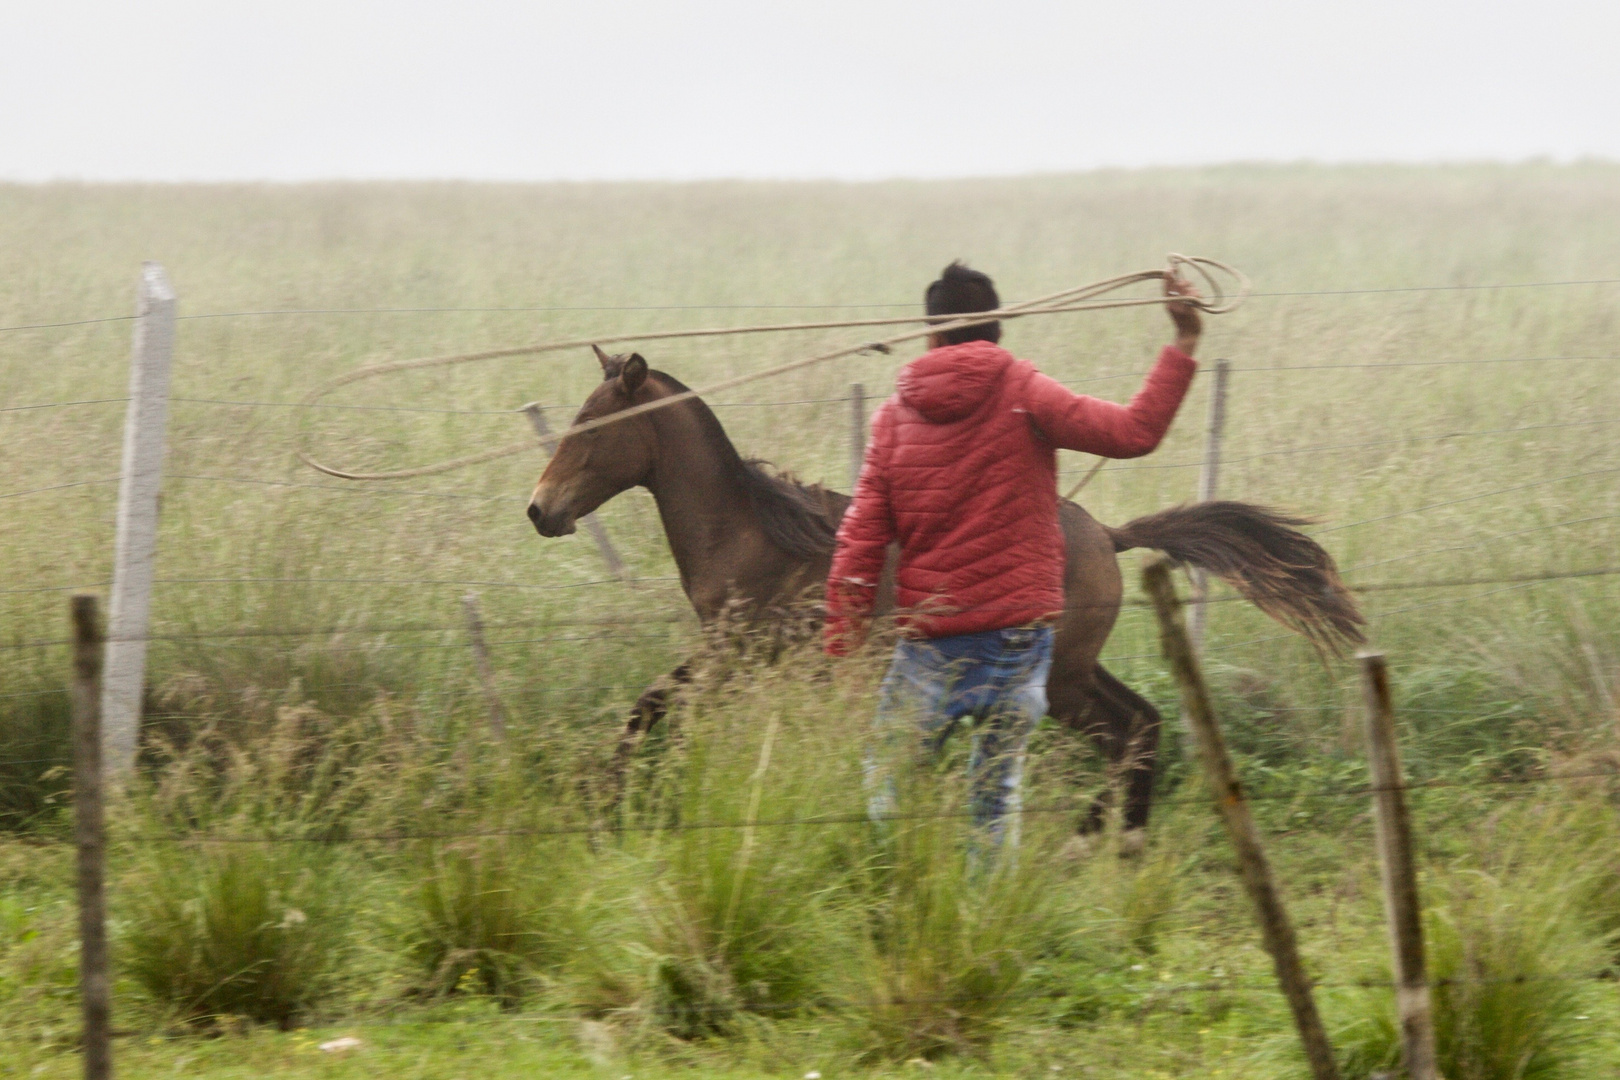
1511,962
218,930
953,928
489,912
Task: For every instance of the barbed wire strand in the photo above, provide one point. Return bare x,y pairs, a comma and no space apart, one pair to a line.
1375,365
57,588
856,818
1116,468
60,487
558,308
1327,447
63,404
1231,645
460,412
1478,543
1471,498
410,582
664,579
349,488
249,403
642,617
833,1004
73,322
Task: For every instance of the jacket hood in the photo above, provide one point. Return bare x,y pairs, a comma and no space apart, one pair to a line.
949,383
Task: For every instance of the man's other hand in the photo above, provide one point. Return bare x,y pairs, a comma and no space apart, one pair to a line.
1189,323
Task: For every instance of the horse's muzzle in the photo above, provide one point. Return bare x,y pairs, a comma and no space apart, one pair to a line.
550,524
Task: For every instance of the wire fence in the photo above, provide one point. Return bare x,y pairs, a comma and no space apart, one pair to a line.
650,625
657,623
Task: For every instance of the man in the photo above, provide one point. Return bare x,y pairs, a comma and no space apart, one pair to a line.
961,471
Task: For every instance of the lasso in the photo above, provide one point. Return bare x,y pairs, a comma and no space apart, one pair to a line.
1082,298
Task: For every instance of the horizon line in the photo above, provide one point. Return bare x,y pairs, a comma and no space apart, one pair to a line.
1527,161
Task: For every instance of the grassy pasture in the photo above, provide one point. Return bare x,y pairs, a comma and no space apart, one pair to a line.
1349,403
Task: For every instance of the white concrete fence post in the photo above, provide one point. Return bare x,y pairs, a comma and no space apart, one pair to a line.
135,547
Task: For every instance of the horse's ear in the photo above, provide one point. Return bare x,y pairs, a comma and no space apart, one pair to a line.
605,360
633,374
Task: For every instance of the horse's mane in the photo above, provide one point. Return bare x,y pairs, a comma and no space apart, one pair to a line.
801,519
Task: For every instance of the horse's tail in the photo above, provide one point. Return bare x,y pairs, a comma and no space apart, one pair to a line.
1259,552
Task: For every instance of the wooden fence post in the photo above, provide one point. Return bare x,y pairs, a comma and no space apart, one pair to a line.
1276,931
1399,872
857,433
486,671
593,525
1208,483
135,546
95,985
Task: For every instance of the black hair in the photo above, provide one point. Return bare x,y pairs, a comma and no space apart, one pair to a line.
962,290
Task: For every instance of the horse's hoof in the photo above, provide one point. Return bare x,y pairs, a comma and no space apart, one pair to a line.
1132,843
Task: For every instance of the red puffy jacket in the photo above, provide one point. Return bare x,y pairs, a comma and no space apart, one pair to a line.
961,469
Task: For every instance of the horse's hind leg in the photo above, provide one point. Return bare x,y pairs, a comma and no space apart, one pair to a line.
1081,707
1079,703
1132,744
1125,728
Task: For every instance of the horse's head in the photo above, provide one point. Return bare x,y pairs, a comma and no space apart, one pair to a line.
590,468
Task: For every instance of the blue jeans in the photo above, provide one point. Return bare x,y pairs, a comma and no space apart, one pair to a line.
996,677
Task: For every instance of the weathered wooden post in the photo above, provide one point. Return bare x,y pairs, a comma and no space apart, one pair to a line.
857,433
1399,872
135,545
89,838
486,671
1276,931
593,525
1209,476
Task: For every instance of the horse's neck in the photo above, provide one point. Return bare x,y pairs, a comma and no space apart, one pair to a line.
706,513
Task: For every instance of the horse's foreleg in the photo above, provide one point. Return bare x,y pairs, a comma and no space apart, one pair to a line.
651,707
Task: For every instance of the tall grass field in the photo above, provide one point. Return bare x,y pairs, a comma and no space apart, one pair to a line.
323,844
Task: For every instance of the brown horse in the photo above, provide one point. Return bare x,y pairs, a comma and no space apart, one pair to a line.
750,540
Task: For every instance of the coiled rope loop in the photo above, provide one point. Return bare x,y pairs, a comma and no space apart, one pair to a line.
1220,300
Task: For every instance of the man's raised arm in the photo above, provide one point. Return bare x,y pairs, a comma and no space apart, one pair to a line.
1094,426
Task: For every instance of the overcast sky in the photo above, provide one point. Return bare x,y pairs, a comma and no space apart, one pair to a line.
497,89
